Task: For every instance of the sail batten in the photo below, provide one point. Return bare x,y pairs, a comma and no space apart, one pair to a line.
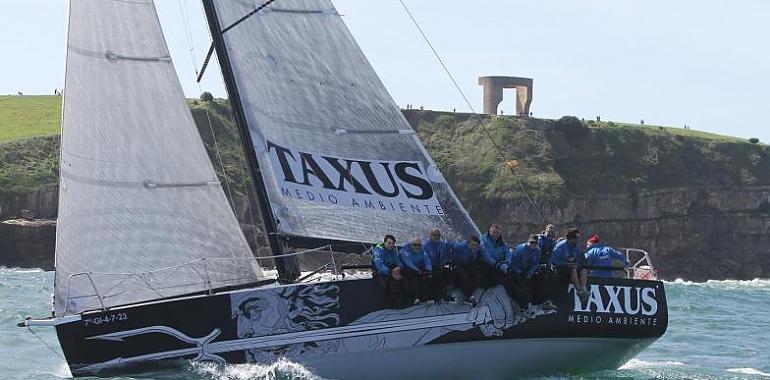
140,206
338,160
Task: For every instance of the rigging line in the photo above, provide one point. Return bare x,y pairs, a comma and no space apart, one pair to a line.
242,19
46,344
188,31
473,114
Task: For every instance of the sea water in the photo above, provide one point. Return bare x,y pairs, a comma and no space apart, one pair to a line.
717,330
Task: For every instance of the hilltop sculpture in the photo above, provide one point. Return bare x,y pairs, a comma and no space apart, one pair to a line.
493,93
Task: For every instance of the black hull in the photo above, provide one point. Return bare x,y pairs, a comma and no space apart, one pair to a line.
326,323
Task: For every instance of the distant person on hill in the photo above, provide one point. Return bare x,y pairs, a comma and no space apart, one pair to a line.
602,258
387,265
525,262
466,261
569,264
442,282
416,271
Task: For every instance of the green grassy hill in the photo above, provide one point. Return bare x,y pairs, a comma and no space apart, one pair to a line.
29,115
557,159
561,158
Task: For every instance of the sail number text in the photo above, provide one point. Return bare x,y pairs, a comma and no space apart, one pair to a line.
104,319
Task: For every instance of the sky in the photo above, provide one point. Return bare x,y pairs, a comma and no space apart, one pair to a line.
703,63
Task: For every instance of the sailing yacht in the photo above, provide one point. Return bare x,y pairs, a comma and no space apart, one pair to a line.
151,264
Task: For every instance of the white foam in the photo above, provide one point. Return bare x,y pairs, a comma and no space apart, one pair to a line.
20,270
636,364
62,371
725,284
749,371
280,369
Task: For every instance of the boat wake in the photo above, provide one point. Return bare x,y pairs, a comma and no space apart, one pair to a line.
61,371
281,369
637,364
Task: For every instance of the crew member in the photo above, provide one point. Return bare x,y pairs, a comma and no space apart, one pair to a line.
497,257
526,258
387,266
524,263
546,241
465,261
442,281
416,271
569,263
602,258
541,281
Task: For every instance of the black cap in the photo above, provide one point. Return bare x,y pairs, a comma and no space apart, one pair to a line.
533,238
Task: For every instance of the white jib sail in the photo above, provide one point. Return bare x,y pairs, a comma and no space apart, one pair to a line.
138,197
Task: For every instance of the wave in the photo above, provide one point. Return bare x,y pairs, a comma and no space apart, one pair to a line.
637,364
20,270
748,371
724,284
282,369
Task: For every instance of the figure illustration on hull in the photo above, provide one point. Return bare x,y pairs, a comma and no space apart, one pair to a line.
286,310
276,314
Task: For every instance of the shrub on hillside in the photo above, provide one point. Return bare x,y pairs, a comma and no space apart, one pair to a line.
572,127
754,140
207,97
570,122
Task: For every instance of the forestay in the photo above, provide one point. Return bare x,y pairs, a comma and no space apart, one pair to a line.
338,159
138,193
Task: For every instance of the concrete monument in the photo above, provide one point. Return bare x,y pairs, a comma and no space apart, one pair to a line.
493,93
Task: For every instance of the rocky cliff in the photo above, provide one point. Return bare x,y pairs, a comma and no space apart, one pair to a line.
698,202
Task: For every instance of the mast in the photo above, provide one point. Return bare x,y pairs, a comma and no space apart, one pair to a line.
287,267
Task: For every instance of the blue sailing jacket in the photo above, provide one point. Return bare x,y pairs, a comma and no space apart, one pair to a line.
563,254
437,251
495,253
384,259
525,260
546,246
462,254
417,261
602,256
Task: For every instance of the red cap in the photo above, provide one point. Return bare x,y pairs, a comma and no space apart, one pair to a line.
593,239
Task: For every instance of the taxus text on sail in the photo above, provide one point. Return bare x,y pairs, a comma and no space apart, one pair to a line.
395,186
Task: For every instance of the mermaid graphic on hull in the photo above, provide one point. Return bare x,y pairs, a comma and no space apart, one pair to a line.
304,321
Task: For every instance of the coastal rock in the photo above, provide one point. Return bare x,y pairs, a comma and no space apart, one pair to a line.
41,203
27,243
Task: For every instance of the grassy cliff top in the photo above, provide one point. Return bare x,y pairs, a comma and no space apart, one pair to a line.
557,159
29,115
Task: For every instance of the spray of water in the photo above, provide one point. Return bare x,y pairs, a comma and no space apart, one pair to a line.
280,370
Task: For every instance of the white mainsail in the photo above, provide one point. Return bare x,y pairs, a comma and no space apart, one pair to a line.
338,159
138,194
